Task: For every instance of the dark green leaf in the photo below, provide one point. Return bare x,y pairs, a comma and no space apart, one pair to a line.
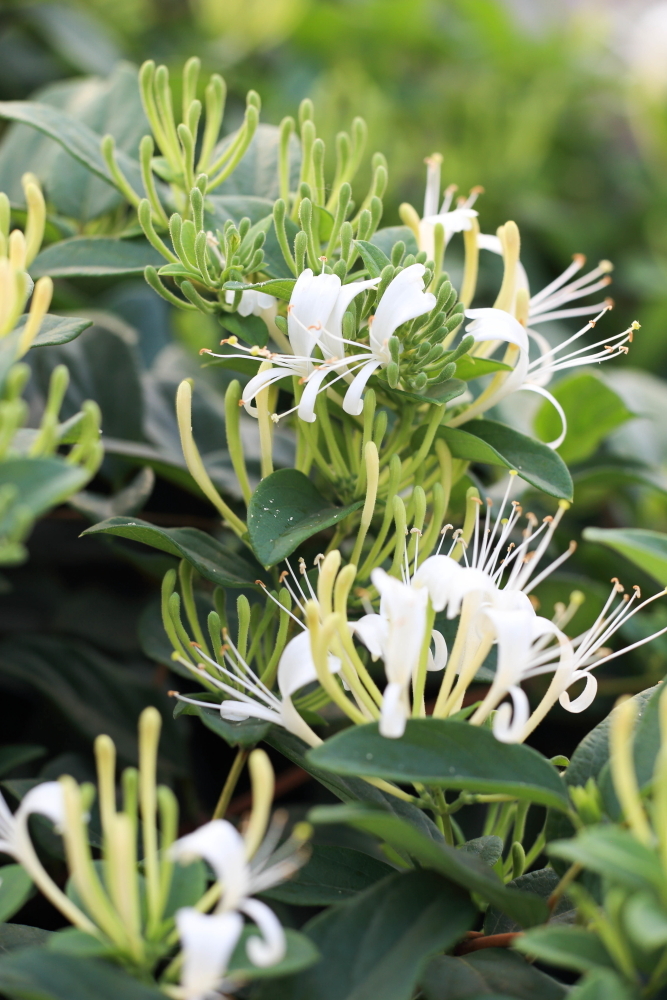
374,258
387,237
244,734
284,511
40,974
220,209
301,953
592,409
94,257
488,973
351,789
56,330
13,937
498,444
16,888
570,947
210,557
331,875
542,883
601,984
94,694
468,368
375,945
447,754
280,287
459,866
647,549
21,753
71,941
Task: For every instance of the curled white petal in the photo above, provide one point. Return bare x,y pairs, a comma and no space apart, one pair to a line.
587,696
437,660
403,300
223,847
533,387
394,711
270,948
510,720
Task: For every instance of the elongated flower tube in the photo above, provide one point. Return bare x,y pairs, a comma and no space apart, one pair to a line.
453,220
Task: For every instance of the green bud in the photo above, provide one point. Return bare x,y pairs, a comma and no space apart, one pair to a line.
365,223
454,322
197,203
350,325
346,236
300,249
281,323
419,382
394,349
393,374
423,350
421,257
397,252
244,227
409,260
518,859
340,268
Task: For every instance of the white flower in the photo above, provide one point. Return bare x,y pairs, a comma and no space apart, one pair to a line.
209,940
397,635
314,318
45,799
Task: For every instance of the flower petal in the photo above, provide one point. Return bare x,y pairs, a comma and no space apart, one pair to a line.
353,403
311,304
587,696
510,720
373,630
223,847
45,799
270,948
208,941
394,712
296,667
404,608
496,324
437,661
404,299
306,408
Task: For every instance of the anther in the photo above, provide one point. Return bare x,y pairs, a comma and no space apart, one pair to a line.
207,350
637,591
173,694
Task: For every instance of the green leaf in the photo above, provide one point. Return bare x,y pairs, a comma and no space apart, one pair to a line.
300,954
20,753
646,549
244,734
95,257
16,888
570,947
210,557
374,258
70,941
468,368
280,287
375,945
646,921
613,852
251,328
542,883
13,937
40,974
351,789
284,511
446,754
56,330
498,444
257,173
41,483
188,885
601,984
94,693
331,875
112,106
74,136
488,973
220,209
592,409
488,849
387,237
459,866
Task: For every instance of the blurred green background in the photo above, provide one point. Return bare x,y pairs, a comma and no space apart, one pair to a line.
556,107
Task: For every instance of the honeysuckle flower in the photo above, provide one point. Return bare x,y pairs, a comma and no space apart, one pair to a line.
314,319
397,635
452,220
209,940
